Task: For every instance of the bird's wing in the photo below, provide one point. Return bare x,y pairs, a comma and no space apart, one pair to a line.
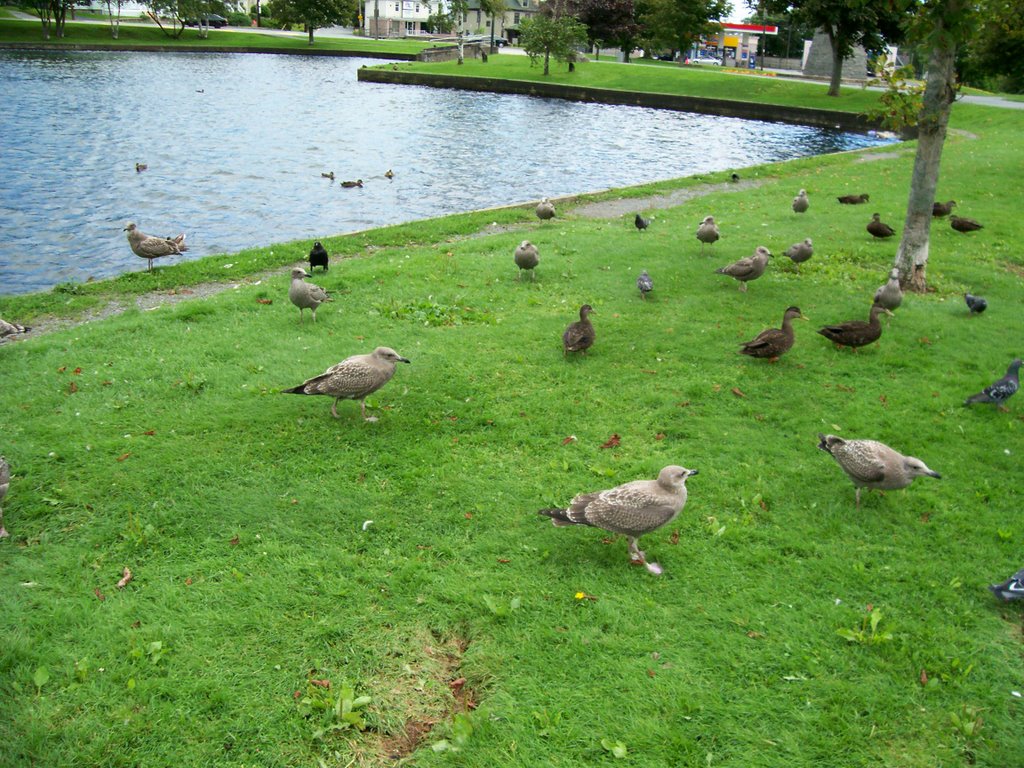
152,247
317,293
763,338
628,510
740,268
860,464
1002,389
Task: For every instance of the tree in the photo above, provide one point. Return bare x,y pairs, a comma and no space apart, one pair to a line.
115,21
52,13
492,8
943,25
451,16
312,14
174,10
994,57
679,24
548,36
608,21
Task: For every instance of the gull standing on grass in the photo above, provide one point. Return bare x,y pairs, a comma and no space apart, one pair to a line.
353,379
871,464
305,295
150,247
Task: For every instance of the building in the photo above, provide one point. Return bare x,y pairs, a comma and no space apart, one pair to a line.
395,18
506,25
736,44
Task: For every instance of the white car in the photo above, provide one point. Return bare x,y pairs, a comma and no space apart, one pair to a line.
706,60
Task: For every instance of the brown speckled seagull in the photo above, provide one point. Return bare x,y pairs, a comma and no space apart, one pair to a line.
10,329
870,464
353,379
150,247
632,509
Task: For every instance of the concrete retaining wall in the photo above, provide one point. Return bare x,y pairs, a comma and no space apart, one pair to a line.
204,49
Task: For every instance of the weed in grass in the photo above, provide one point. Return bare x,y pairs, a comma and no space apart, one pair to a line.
460,732
616,748
868,632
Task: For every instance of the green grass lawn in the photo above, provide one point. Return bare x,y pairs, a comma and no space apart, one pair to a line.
159,441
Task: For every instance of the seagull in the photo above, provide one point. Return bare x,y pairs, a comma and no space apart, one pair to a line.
749,268
318,257
545,210
890,295
963,224
644,284
1000,391
526,257
871,464
707,232
305,295
976,304
5,483
579,336
1011,589
151,247
10,329
632,509
353,379
879,228
943,209
641,223
800,252
800,202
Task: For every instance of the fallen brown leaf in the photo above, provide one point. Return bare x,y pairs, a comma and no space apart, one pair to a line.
99,594
106,383
674,538
72,387
660,436
569,439
325,683
456,685
736,391
264,301
469,515
645,370
188,581
612,442
124,456
504,560
924,677
77,371
754,635
234,542
650,673
150,432
126,576
62,369
882,399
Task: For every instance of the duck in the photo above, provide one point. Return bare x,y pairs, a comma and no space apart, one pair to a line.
800,252
772,343
879,228
545,210
328,175
964,224
707,232
853,199
526,257
350,184
747,269
890,295
942,209
140,167
856,333
800,202
389,174
579,336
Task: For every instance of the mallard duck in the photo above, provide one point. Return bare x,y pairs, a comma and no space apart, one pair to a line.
545,210
328,175
853,199
747,269
526,257
942,209
350,184
305,295
856,333
150,247
140,167
800,252
353,379
964,224
800,202
389,174
772,343
579,336
318,257
707,232
879,228
644,284
890,295
871,464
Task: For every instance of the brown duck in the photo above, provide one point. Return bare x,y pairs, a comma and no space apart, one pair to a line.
579,336
853,199
963,224
879,228
772,343
856,333
942,209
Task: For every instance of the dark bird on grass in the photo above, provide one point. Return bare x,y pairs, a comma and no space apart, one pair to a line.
772,343
870,464
631,509
856,333
140,167
389,174
354,378
526,257
964,224
644,284
707,232
735,177
976,304
890,295
150,247
800,252
943,209
328,175
800,202
579,336
1000,391
747,269
350,184
641,223
853,199
305,295
11,329
879,228
545,210
318,257
5,483
1011,589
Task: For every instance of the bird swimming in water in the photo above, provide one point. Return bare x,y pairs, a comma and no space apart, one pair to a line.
999,391
150,247
644,284
354,378
975,304
871,464
328,175
878,228
389,174
140,167
350,184
318,257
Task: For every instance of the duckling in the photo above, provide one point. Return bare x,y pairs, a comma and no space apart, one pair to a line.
140,167
772,343
856,333
389,174
579,336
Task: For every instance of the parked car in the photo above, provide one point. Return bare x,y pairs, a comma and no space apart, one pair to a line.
212,20
500,42
706,60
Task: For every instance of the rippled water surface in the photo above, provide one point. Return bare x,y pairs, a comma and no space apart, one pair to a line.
235,145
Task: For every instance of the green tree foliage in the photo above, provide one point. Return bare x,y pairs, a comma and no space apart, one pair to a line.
312,14
170,15
608,21
552,36
994,57
677,25
492,9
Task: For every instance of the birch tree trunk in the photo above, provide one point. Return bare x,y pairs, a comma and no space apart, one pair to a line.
937,102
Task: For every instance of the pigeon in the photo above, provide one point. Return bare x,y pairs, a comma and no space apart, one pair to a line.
641,223
856,333
1000,391
318,257
800,202
579,336
800,252
747,269
140,167
5,483
707,232
150,247
870,464
389,174
644,284
305,295
526,257
632,509
10,329
879,228
1011,589
890,295
328,175
350,184
853,199
976,305
353,379
963,224
772,343
943,209
545,210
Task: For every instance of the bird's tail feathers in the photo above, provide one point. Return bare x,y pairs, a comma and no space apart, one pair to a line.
299,390
559,517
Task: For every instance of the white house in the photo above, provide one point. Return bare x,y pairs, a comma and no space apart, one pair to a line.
395,18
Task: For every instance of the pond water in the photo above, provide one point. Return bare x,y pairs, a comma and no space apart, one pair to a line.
235,145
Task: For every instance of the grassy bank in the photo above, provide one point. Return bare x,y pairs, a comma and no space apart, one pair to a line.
262,599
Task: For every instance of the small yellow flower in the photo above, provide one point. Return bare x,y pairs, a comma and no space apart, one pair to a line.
581,595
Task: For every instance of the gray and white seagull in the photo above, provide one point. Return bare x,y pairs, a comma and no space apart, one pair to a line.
871,464
150,247
353,379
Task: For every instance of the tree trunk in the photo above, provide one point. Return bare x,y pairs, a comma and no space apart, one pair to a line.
311,31
939,92
547,57
837,64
